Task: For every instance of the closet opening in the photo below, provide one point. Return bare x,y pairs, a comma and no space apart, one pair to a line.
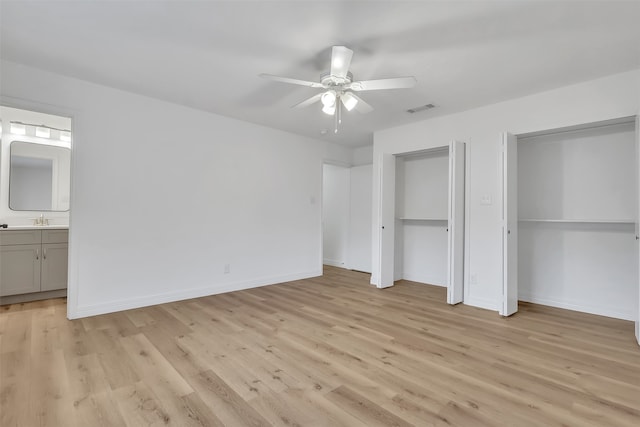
571,203
424,191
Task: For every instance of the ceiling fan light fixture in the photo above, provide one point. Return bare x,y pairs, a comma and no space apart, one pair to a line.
329,99
329,109
349,101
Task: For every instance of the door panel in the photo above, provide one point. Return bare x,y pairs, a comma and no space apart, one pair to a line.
359,255
455,271
509,224
387,220
638,217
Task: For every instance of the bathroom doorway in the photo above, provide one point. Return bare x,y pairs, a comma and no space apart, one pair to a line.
35,200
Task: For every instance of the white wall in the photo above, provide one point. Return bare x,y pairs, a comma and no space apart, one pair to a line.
422,186
362,155
423,252
603,99
164,196
586,174
335,214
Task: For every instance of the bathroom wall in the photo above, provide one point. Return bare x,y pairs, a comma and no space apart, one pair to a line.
7,115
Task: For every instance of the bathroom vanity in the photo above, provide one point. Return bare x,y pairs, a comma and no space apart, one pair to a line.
33,263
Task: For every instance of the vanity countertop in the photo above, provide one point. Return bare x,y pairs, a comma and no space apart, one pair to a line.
35,227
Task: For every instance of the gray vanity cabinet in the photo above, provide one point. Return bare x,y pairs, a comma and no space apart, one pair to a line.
19,269
32,261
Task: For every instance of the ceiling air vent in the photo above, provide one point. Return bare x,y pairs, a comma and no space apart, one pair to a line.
421,108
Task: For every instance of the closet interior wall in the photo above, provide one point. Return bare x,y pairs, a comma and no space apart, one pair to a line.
422,196
576,213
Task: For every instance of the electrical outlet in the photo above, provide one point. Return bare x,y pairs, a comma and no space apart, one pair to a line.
227,268
473,279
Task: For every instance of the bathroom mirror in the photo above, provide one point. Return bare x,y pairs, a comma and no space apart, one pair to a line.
39,177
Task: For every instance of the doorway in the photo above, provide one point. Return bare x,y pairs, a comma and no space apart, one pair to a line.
35,193
335,214
421,213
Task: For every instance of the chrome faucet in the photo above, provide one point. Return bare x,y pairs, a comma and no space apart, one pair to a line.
41,220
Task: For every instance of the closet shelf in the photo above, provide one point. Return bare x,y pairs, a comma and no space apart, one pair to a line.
422,219
581,221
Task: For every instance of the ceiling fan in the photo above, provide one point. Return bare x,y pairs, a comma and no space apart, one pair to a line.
338,86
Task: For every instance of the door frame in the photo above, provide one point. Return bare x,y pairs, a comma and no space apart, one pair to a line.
503,303
637,220
509,303
339,164
382,223
75,116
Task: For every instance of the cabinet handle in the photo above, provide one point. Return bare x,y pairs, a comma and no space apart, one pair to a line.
44,254
37,254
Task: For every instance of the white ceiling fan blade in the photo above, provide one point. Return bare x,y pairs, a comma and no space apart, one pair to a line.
393,83
291,81
308,101
340,61
362,106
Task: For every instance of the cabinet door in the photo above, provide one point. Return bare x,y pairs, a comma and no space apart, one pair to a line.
54,266
19,269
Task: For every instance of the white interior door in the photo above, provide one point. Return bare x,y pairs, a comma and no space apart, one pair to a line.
638,216
359,254
509,225
387,210
335,214
455,272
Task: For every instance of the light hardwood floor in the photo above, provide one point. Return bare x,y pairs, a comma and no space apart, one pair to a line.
329,351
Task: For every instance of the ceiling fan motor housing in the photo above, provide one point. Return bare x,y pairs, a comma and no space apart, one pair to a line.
329,80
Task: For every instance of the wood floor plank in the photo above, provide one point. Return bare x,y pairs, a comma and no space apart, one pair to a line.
139,406
153,367
364,409
50,400
98,409
330,350
228,405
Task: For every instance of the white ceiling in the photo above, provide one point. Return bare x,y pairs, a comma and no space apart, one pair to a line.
208,54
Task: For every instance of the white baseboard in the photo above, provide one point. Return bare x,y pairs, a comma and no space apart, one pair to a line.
334,263
616,313
421,279
487,304
128,304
